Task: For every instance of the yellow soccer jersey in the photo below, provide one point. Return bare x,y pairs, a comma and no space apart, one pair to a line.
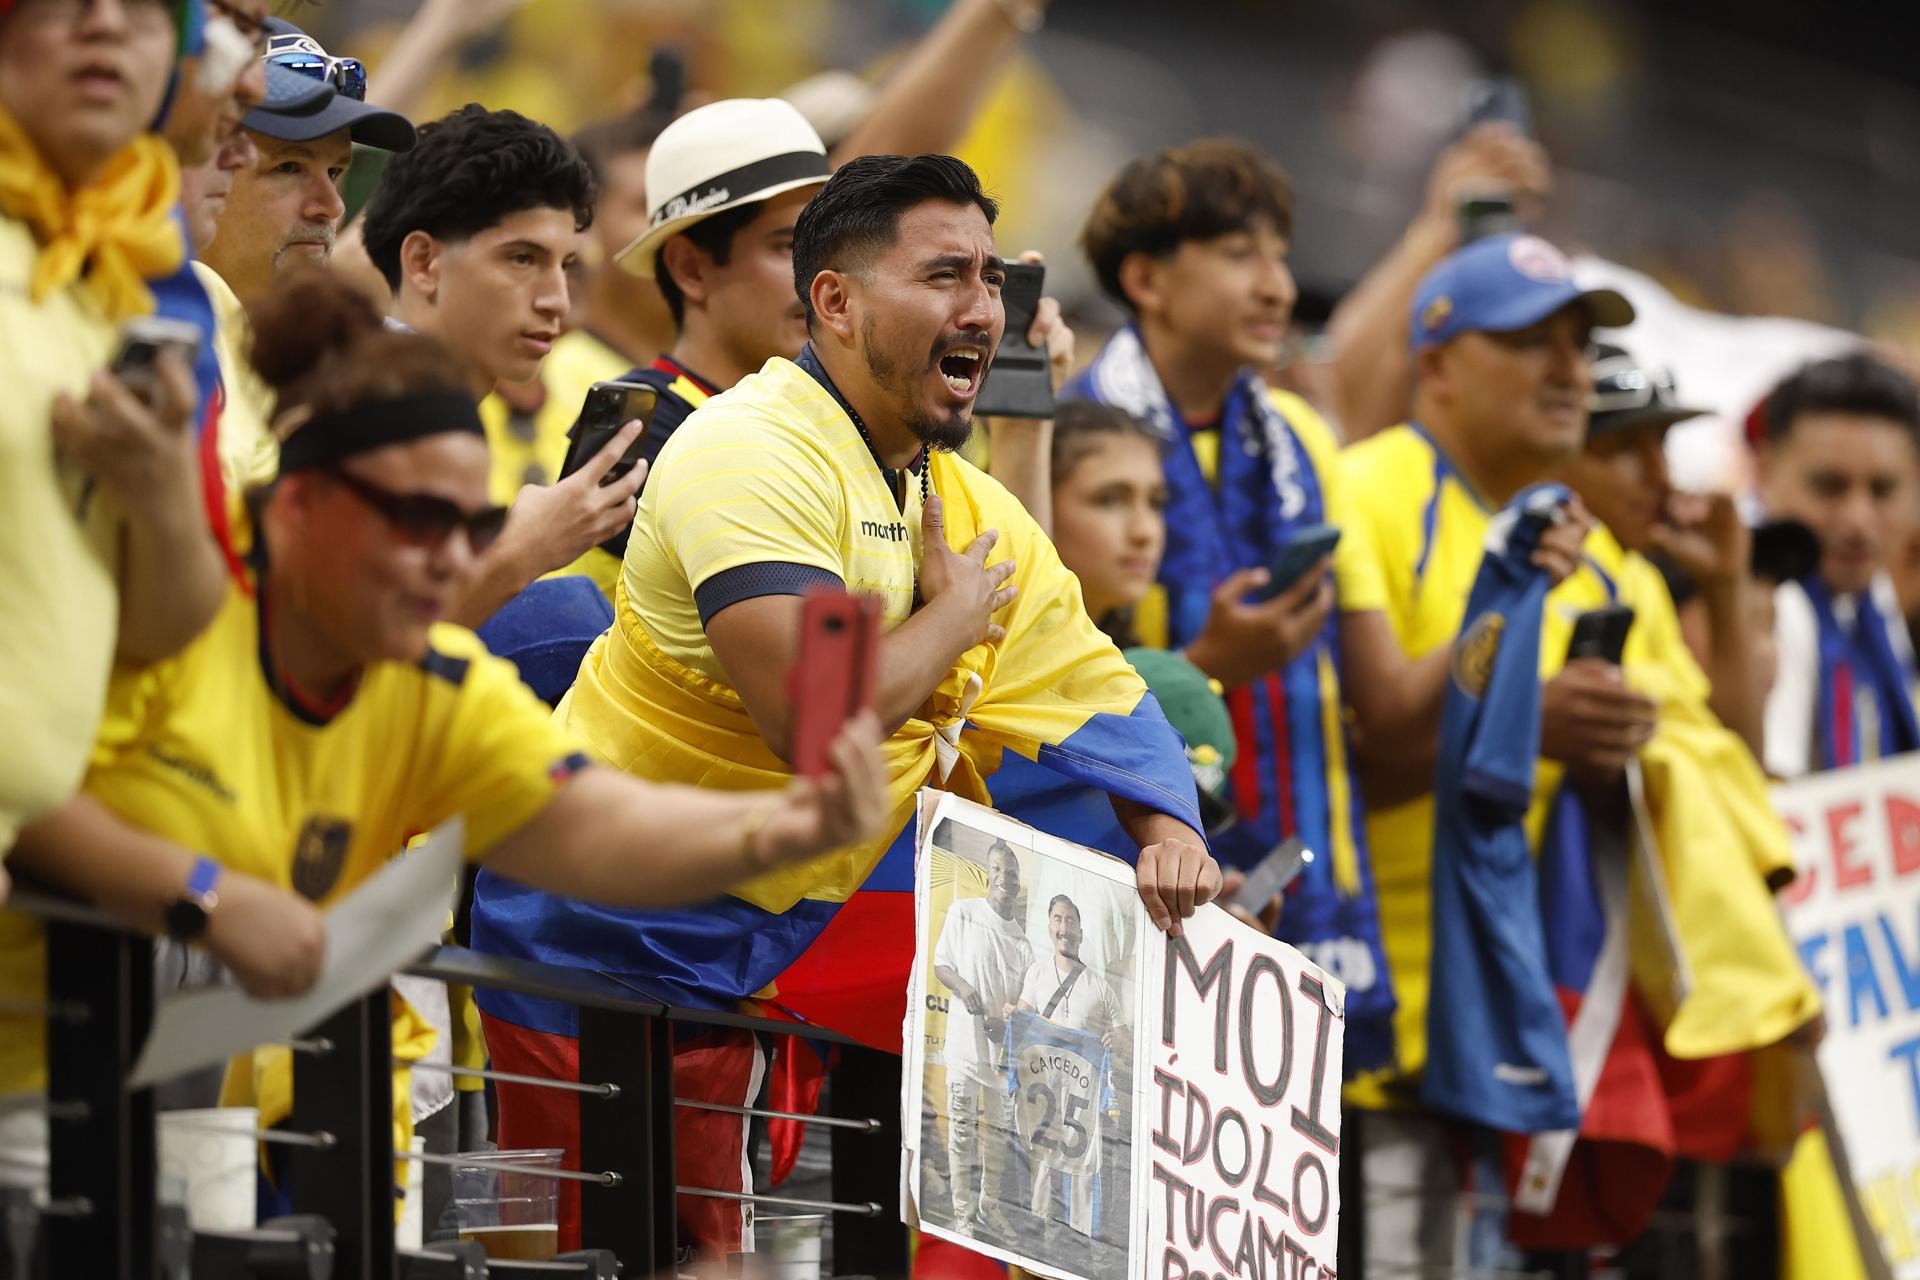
775,474
201,751
1414,533
529,448
249,454
59,545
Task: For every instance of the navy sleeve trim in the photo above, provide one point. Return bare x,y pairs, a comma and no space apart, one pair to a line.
448,668
749,581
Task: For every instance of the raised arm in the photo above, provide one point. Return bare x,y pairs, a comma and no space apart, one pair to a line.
609,837
930,99
1373,375
756,640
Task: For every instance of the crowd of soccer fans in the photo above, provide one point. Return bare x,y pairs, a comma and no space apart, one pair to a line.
278,595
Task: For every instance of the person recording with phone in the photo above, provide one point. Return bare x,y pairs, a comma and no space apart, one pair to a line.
474,230
837,470
1193,241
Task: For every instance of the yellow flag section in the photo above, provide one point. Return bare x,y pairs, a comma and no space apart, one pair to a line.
1854,916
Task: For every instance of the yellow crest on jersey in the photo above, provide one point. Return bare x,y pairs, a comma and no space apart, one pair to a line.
1473,660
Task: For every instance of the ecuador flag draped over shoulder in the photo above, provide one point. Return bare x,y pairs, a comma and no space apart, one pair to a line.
832,939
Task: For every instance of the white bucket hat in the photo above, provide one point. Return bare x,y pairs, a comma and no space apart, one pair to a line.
718,157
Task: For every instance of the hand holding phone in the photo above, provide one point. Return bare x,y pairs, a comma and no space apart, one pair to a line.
1601,633
1019,384
608,407
1271,876
832,676
1304,549
143,341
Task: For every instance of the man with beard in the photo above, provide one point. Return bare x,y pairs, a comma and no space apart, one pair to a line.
836,470
1062,989
981,957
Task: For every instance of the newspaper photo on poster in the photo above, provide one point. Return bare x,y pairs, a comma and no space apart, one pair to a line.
1078,1093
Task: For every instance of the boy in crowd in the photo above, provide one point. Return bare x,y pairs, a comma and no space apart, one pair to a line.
1193,242
1839,455
474,230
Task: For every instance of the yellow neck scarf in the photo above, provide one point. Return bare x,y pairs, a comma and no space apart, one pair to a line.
116,233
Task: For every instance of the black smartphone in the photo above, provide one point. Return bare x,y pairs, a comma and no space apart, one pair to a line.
1601,633
1306,548
1018,384
608,407
1497,100
1487,214
143,340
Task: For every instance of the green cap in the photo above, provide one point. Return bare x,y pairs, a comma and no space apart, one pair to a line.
1193,705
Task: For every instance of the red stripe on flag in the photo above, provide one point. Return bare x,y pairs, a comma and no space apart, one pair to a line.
1282,752
1843,715
1246,755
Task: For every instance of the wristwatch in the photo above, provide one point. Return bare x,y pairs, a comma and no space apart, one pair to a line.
187,917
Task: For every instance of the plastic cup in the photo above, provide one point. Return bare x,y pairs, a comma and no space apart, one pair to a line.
511,1214
207,1162
791,1245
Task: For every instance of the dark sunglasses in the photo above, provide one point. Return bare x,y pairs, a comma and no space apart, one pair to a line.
299,54
422,518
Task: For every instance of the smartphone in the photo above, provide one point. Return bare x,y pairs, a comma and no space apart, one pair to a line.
1272,874
1497,100
1601,633
833,673
1487,214
143,340
1018,383
1306,548
608,407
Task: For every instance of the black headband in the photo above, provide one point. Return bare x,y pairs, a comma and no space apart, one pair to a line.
326,439
794,166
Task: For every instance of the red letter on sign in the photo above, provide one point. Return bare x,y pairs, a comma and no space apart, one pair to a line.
1903,835
1847,873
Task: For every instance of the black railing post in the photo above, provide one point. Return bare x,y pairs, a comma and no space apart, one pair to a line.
100,987
632,1133
348,1093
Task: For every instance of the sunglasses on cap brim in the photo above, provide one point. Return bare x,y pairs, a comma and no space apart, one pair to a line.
348,76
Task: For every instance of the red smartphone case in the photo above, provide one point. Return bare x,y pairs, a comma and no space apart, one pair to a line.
833,673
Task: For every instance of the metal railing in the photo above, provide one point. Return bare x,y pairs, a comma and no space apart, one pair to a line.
101,1217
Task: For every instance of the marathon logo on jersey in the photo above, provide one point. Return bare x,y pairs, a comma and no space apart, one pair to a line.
1473,660
895,532
318,856
1539,261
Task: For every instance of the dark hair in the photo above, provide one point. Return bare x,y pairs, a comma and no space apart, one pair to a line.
1081,426
1158,202
1856,383
857,214
604,141
1001,846
714,236
1059,898
322,344
469,171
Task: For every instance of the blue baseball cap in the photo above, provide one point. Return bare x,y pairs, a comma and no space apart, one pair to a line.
293,112
1503,283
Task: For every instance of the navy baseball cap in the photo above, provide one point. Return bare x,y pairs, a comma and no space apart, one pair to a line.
1503,283
302,117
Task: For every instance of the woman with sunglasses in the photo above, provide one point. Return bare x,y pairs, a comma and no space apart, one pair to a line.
327,714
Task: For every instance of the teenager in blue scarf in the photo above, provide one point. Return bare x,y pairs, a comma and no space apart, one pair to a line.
1193,242
1839,456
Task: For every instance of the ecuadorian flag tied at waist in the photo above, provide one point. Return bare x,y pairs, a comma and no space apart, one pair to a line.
776,466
